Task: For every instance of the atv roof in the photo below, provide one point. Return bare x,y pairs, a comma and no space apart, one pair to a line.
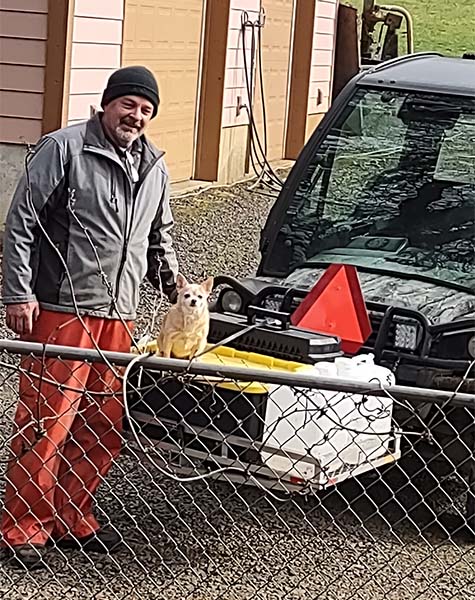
425,72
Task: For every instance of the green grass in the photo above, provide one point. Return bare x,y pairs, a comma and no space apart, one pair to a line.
446,26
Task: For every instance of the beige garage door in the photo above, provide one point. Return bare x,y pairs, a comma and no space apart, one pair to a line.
164,35
276,35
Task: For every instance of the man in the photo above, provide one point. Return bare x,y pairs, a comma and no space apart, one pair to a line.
88,220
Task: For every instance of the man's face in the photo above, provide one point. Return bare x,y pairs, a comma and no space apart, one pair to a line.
125,118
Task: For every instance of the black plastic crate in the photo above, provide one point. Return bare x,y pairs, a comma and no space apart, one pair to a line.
198,403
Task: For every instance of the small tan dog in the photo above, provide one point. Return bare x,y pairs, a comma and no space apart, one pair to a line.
185,328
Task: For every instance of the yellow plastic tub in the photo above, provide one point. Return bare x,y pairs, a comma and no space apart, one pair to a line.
224,356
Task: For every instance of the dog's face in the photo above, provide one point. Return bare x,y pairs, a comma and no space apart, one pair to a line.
193,297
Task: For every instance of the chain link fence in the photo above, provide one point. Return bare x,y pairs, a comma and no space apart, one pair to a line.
230,482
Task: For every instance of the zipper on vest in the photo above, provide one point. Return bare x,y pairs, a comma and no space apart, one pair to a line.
114,199
127,231
133,196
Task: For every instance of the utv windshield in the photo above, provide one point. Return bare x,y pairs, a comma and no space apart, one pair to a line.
391,189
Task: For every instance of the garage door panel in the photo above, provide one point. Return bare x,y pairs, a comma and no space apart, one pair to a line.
165,36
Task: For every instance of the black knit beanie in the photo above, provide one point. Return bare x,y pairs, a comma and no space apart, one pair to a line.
132,81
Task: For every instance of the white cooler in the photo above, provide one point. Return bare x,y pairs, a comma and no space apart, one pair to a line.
313,432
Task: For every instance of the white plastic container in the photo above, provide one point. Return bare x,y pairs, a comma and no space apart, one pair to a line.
330,429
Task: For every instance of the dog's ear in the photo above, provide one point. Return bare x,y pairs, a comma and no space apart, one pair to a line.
181,282
207,285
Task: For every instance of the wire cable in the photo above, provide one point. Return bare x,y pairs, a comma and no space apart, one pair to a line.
266,169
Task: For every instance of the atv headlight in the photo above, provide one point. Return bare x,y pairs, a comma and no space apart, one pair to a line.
406,336
471,346
231,301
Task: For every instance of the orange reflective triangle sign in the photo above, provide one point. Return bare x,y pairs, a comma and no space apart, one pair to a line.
335,305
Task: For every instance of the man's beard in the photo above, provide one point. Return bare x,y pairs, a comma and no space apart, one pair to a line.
126,137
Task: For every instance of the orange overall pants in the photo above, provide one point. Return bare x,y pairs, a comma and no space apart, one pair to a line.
65,439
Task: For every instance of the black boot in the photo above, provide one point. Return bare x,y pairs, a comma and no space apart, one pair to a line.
28,556
104,541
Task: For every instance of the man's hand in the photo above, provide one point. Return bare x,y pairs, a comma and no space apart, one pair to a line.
20,317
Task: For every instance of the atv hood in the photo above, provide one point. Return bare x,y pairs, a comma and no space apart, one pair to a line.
437,302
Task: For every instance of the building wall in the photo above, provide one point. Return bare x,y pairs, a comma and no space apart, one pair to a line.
95,53
234,135
235,74
23,33
166,37
276,60
276,36
322,61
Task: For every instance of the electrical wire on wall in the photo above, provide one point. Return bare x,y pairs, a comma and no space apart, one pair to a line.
258,148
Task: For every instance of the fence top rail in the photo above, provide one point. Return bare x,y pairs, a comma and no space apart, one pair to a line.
156,363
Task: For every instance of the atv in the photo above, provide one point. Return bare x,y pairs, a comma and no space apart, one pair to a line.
386,184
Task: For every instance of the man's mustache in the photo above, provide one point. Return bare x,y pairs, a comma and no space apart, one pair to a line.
134,124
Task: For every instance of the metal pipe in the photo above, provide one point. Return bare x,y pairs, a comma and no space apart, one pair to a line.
283,378
410,25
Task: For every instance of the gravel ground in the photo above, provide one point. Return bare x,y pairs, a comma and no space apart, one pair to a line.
210,541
